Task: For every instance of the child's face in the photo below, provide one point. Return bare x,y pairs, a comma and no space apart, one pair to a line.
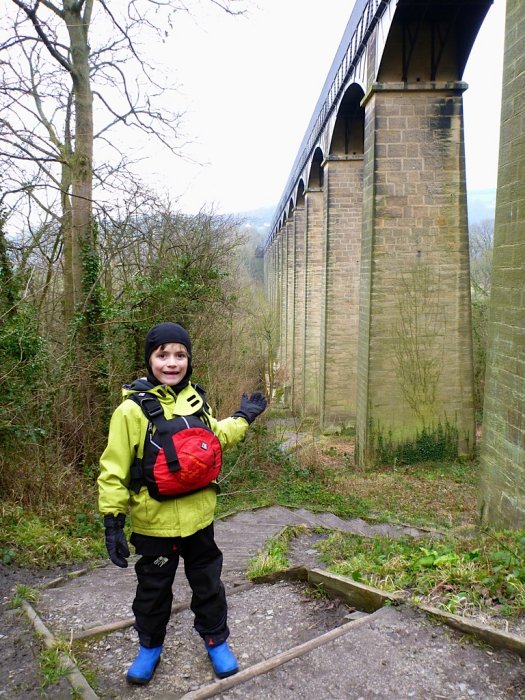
169,363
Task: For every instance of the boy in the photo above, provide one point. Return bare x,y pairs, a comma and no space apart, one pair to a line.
164,530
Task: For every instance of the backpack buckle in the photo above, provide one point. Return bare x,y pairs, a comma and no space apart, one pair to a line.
154,409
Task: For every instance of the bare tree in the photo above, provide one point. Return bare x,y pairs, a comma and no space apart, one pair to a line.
63,87
481,237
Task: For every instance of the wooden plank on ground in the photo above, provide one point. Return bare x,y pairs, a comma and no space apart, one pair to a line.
359,595
495,637
270,664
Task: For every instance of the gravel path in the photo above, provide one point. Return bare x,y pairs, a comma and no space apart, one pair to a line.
393,654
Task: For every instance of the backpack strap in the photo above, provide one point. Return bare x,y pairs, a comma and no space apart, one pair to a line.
204,410
152,409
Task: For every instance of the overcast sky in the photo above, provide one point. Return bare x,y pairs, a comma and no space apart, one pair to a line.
248,86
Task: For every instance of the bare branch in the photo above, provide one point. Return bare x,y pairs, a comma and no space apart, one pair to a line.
31,13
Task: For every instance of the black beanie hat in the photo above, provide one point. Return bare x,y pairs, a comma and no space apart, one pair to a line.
160,335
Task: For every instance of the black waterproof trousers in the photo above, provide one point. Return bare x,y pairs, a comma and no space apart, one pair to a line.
154,596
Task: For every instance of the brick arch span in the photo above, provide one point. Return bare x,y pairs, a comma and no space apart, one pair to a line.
299,198
315,170
430,41
348,134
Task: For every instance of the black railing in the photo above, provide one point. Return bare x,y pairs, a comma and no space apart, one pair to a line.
364,16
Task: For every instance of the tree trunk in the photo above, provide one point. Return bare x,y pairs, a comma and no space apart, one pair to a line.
82,160
78,230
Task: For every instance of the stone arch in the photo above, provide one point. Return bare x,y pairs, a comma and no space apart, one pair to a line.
316,175
300,194
349,131
429,41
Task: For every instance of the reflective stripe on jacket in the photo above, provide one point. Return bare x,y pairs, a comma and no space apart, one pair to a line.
179,517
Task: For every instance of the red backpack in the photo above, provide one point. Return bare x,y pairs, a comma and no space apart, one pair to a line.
181,454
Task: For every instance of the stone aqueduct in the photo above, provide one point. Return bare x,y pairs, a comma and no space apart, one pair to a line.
367,261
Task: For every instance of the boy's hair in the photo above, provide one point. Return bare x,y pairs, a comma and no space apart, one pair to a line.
163,346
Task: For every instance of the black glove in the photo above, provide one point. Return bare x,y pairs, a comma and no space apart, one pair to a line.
116,539
251,407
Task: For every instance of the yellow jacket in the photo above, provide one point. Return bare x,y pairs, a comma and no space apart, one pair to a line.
178,517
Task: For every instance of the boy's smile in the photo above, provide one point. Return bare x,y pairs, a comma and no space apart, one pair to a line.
169,363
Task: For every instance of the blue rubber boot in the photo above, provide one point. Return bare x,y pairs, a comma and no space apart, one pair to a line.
222,659
142,669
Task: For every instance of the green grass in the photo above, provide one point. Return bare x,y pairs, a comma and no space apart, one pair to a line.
483,572
52,666
49,538
462,570
273,557
55,664
23,593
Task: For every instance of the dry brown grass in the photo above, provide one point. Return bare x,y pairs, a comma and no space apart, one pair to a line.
438,494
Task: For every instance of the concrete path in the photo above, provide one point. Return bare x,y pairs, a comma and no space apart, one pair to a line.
241,536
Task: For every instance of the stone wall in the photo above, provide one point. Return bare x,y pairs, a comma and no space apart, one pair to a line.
297,400
290,303
313,282
502,493
415,364
340,303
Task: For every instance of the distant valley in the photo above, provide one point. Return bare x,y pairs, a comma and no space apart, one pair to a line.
481,206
